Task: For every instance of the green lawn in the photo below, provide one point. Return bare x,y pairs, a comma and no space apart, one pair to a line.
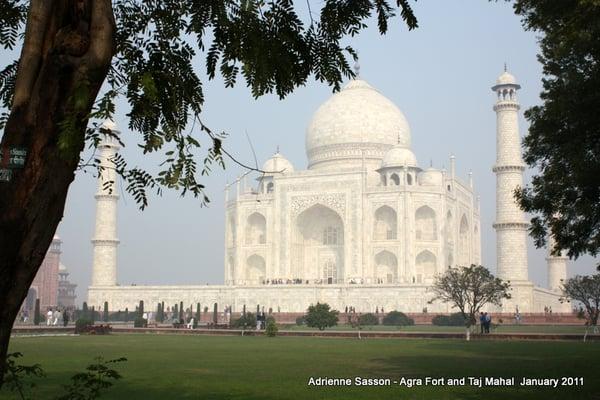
204,367
580,329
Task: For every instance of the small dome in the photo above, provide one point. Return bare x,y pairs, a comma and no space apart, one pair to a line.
506,79
356,121
431,177
277,164
399,156
56,237
110,125
62,267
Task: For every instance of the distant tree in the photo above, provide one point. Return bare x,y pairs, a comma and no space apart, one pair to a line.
469,289
215,314
244,310
181,310
141,309
271,328
245,321
105,312
368,319
126,317
565,191
93,314
175,311
85,311
321,316
397,318
37,316
586,291
198,315
159,313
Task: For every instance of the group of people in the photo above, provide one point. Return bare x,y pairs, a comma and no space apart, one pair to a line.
57,317
485,320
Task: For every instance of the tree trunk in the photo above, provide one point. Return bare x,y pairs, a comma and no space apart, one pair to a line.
65,58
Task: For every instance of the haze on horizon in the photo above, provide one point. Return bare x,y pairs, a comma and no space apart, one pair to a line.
439,76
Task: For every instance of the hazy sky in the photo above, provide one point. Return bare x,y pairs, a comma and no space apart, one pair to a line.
440,77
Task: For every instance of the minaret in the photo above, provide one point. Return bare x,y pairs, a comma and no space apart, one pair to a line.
557,267
511,225
105,242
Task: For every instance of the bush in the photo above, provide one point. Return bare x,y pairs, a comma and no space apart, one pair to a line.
140,322
321,316
271,330
83,325
455,319
245,321
397,318
368,319
301,320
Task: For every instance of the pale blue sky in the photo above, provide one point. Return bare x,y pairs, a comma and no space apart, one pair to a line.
439,75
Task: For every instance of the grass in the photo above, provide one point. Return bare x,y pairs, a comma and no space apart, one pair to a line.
206,367
502,328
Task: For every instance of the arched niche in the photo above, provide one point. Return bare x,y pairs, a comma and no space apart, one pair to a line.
255,269
318,245
425,224
385,224
256,229
386,267
425,265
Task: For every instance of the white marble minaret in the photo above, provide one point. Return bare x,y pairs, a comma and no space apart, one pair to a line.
104,272
511,225
557,267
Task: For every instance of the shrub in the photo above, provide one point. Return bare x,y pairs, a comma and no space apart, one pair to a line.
397,318
455,319
368,319
82,325
321,316
245,321
271,330
140,322
301,320
37,316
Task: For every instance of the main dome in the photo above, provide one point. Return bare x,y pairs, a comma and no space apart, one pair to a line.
357,122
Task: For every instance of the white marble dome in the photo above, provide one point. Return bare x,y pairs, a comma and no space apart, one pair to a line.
399,156
506,79
277,164
355,122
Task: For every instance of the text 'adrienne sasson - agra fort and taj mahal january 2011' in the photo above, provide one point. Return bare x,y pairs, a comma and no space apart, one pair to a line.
363,226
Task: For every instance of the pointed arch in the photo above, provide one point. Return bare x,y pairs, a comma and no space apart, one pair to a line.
256,229
425,224
255,269
395,179
386,267
318,245
385,225
425,265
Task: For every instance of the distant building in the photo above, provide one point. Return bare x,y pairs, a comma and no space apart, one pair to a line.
362,226
51,284
66,289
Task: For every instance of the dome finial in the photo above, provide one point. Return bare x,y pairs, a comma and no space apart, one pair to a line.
277,152
505,68
356,68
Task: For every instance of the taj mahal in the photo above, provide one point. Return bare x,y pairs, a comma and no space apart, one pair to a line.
365,225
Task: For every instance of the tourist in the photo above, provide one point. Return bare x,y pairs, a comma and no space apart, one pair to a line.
190,324
57,317
66,318
488,322
49,315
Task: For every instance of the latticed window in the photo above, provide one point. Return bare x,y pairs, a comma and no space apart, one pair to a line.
331,236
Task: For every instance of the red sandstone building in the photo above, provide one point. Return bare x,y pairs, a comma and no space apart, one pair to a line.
51,284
